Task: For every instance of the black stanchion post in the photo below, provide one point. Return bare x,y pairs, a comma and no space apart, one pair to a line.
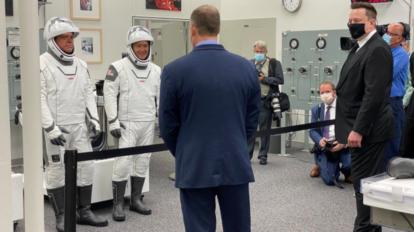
71,164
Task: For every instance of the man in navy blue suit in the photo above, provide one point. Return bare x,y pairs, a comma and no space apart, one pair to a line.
209,108
329,154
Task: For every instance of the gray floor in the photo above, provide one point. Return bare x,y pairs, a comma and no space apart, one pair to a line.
283,198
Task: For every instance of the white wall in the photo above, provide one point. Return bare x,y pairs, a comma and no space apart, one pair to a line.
116,18
313,15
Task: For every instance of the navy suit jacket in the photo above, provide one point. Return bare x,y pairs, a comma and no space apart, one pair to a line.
209,108
318,114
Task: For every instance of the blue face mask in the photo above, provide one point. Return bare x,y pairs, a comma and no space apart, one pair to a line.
259,57
387,38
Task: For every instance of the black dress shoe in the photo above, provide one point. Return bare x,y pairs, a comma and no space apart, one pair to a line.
263,161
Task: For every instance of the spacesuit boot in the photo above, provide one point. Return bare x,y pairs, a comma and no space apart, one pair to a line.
86,216
57,198
166,5
118,190
136,190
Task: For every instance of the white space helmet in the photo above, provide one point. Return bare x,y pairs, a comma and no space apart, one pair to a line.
135,34
57,26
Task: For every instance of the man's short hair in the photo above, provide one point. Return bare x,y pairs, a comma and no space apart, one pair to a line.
328,83
206,19
261,44
370,10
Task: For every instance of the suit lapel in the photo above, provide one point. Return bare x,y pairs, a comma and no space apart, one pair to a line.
322,113
353,57
321,116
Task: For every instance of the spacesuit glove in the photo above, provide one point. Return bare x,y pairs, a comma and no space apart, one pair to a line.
56,136
94,130
59,141
115,128
116,133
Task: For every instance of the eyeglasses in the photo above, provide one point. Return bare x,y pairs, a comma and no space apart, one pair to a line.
393,34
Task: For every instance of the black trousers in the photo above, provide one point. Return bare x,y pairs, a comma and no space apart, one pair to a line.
366,161
407,146
199,205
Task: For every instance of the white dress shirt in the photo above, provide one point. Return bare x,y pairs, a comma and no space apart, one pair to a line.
332,115
362,42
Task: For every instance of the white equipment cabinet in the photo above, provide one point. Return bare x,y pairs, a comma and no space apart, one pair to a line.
102,181
391,201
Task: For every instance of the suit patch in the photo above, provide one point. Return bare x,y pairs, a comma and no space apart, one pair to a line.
111,74
56,158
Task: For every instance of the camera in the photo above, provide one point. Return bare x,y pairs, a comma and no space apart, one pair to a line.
330,144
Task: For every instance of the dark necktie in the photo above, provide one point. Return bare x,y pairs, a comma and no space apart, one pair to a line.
354,49
327,117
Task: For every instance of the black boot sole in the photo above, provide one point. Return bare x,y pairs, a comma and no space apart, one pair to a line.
149,212
103,224
118,219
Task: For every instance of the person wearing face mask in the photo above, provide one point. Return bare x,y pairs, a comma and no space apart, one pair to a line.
270,75
131,92
395,37
329,154
364,119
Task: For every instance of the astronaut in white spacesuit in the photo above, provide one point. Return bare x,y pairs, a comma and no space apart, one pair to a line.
69,118
131,93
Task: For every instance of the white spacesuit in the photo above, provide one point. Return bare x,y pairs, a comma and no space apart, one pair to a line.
69,117
131,92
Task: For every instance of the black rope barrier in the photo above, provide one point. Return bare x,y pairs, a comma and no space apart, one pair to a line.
112,153
72,157
287,129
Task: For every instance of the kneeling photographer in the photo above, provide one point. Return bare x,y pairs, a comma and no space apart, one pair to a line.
331,157
270,75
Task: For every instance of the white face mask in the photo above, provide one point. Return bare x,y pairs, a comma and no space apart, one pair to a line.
327,98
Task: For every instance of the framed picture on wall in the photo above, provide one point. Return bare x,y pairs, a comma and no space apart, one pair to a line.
170,5
88,45
85,9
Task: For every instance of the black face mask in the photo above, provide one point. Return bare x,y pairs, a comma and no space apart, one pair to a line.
356,29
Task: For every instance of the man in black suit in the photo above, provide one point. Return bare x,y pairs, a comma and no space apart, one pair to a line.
364,118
